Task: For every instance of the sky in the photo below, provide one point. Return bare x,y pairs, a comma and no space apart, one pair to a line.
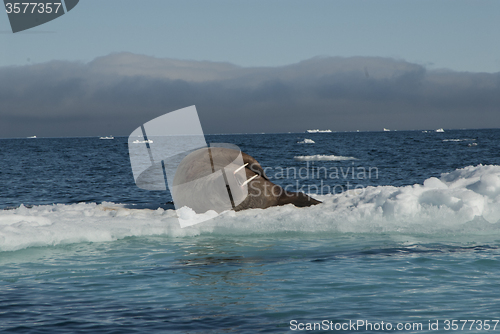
347,65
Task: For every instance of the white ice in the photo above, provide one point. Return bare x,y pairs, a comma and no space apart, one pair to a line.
466,201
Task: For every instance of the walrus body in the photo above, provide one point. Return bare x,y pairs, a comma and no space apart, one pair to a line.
220,178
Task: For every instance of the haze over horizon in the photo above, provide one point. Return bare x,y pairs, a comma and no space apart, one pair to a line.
254,66
115,94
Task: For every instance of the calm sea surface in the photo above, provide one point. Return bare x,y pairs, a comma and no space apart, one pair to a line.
82,249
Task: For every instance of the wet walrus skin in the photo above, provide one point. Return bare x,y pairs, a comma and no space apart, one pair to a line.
262,193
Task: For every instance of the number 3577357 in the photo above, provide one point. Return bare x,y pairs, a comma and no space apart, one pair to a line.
32,7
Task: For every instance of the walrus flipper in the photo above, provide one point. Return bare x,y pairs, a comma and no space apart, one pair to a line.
298,199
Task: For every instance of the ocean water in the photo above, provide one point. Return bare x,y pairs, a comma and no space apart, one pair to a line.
408,234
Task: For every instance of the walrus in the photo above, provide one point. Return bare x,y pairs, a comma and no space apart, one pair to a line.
221,178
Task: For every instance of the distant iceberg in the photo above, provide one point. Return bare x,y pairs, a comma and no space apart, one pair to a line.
142,141
386,130
306,141
440,130
319,131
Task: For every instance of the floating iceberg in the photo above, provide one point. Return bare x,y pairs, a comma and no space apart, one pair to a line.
306,141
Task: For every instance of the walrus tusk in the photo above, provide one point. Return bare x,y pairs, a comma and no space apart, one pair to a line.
239,168
250,179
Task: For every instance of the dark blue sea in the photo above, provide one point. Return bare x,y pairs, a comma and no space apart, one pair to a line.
407,239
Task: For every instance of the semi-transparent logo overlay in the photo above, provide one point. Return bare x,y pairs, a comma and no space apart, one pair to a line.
171,151
25,15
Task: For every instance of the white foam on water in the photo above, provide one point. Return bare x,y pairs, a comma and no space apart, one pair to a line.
319,157
458,140
464,201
